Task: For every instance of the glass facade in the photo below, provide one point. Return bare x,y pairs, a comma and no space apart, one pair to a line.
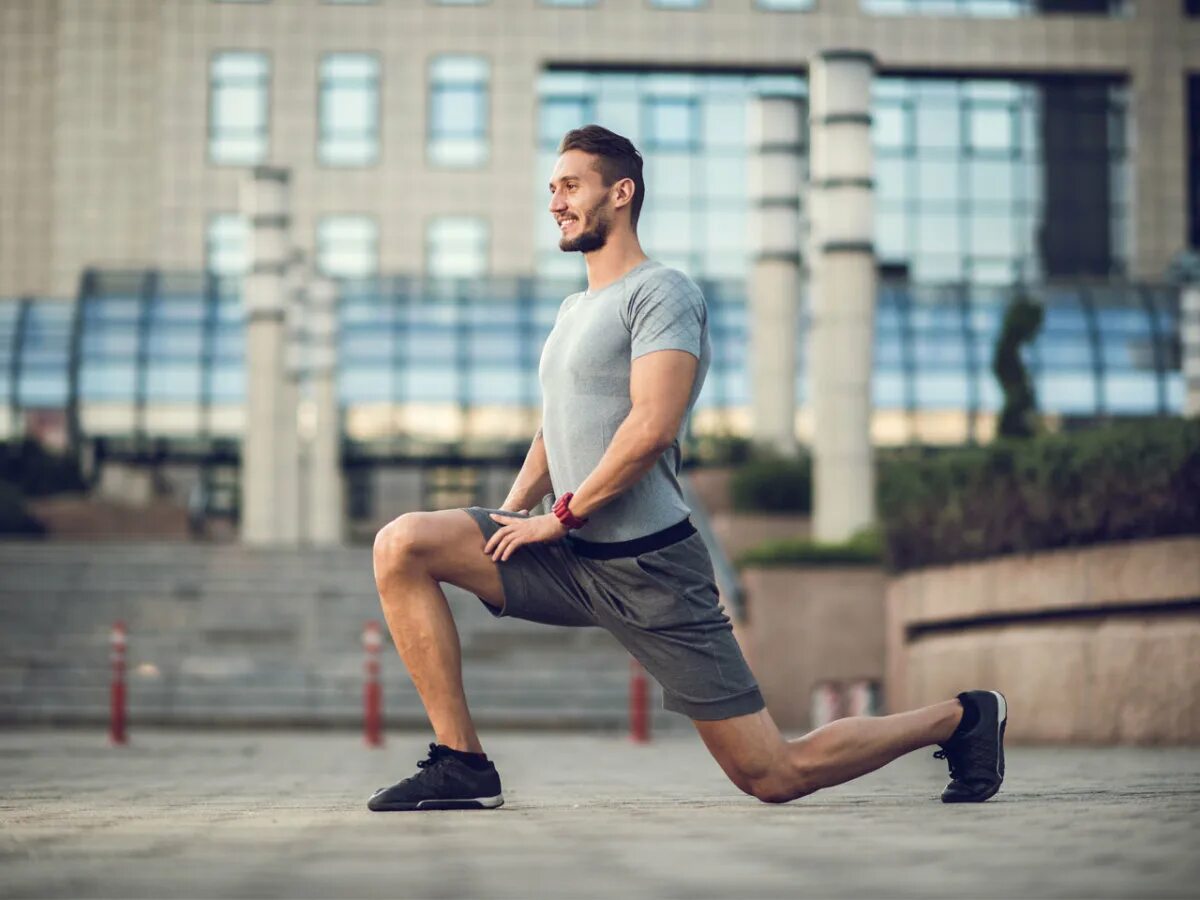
457,247
691,131
1000,181
785,5
997,8
238,113
348,110
147,338
458,110
348,247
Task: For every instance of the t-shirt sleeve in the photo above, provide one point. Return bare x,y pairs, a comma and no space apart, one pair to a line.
666,314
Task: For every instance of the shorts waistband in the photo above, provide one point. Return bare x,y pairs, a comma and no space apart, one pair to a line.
635,547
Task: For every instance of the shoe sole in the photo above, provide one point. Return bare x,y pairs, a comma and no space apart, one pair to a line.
430,805
1001,725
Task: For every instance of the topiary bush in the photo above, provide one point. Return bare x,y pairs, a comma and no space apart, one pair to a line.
773,485
1121,482
14,517
36,471
1022,322
863,549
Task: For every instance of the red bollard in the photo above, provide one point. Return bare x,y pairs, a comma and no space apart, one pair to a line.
372,690
116,721
639,703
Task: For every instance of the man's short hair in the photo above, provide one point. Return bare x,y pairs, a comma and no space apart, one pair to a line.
616,158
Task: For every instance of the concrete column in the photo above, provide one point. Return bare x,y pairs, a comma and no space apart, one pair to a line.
774,132
842,292
291,506
326,519
1189,336
265,204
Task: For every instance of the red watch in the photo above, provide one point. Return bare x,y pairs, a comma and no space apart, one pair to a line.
564,514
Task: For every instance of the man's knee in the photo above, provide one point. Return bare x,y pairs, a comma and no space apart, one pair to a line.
782,779
398,544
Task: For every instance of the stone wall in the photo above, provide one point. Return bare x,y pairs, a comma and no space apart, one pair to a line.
809,624
1096,645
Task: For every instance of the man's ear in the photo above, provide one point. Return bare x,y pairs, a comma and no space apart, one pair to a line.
624,190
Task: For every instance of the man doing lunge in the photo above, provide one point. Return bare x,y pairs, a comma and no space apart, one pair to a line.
620,372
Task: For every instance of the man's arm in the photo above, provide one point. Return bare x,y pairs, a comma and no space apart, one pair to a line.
660,385
533,481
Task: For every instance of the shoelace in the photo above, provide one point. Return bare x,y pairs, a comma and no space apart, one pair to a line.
437,753
950,760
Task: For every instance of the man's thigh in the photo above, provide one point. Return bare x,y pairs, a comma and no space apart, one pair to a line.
451,547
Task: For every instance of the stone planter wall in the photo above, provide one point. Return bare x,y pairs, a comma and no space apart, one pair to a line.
1098,645
809,624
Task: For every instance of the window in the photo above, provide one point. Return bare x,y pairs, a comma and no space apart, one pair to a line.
457,247
991,181
999,9
348,110
348,246
784,5
226,245
238,108
678,4
350,2
458,110
568,2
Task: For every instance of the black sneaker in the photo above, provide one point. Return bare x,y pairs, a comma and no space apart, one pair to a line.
977,758
443,782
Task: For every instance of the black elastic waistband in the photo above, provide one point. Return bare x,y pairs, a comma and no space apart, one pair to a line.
635,547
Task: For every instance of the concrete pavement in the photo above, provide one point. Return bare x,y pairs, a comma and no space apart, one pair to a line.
282,814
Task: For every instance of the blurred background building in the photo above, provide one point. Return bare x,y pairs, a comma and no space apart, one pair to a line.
1047,146
1040,148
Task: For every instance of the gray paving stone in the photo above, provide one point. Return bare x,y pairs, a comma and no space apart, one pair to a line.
281,814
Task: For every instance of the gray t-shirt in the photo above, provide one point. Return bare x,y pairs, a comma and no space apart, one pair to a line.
584,372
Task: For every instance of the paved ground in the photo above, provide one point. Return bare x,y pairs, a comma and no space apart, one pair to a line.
281,814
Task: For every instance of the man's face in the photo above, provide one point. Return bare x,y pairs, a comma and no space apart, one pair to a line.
580,203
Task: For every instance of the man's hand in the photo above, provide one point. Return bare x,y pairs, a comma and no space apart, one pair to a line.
520,531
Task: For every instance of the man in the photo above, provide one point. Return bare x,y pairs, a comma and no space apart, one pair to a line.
620,371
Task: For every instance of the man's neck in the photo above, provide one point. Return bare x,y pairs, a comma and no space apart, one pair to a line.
612,261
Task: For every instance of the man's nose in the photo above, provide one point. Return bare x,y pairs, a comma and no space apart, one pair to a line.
556,202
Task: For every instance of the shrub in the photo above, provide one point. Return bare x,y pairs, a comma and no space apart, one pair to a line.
773,485
721,449
1022,322
1121,482
36,471
14,517
863,549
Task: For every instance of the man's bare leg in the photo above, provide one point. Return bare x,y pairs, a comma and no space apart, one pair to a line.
758,760
412,554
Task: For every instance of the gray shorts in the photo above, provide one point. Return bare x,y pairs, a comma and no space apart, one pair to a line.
661,605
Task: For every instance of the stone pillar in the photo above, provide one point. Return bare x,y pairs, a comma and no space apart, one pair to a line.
844,282
265,204
291,506
774,132
326,504
1189,337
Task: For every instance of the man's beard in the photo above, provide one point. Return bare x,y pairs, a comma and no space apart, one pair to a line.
595,237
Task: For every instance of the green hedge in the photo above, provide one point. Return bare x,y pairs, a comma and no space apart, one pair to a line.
14,517
37,472
863,549
1120,482
773,485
